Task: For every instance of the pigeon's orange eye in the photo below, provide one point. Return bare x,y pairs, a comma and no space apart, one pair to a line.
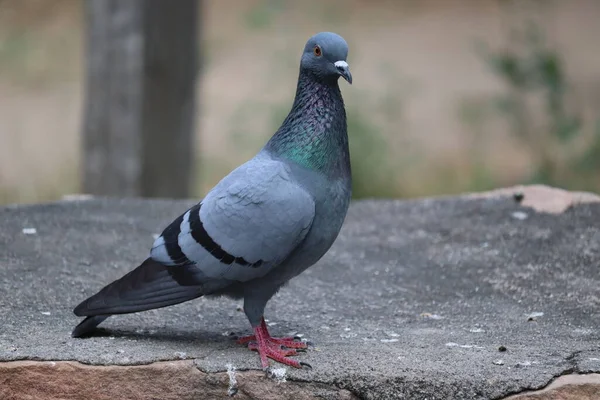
317,51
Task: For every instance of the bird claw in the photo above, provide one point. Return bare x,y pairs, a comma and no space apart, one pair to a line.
276,352
291,343
305,364
277,349
280,349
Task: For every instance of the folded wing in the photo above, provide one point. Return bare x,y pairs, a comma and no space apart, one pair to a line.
246,226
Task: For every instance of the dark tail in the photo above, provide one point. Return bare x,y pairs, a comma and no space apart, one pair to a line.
147,287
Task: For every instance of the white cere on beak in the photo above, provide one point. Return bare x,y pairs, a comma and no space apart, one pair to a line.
341,64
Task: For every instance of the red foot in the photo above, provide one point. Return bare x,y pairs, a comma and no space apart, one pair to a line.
277,349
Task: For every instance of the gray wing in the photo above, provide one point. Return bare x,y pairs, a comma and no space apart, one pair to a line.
247,225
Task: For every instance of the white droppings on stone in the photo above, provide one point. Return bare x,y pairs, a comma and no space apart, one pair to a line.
594,359
463,346
476,330
29,231
388,340
181,355
233,389
583,331
498,362
347,329
392,334
535,315
520,215
431,316
523,364
272,323
120,351
279,374
45,312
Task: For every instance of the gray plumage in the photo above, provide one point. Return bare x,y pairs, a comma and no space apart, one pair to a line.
265,222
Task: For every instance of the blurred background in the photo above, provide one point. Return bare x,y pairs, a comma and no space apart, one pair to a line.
448,96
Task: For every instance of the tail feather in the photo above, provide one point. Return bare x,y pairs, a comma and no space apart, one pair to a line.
147,287
86,326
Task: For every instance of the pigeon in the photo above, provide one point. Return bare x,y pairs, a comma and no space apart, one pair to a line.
260,226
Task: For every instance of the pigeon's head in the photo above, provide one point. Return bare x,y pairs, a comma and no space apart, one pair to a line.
325,57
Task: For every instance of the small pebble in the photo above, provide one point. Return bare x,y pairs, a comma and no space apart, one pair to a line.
29,231
498,362
502,348
519,196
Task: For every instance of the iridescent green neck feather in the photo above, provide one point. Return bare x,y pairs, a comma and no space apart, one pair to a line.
314,134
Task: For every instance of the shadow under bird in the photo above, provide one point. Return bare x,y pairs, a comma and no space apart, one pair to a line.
260,226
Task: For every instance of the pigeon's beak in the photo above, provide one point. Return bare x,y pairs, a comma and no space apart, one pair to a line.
344,70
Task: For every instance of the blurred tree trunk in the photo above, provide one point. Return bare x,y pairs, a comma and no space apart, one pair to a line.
140,97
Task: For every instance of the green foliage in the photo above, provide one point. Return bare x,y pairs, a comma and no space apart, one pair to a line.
372,172
532,69
262,15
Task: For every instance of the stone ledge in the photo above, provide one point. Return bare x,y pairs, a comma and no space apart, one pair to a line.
170,380
182,380
566,387
542,198
466,297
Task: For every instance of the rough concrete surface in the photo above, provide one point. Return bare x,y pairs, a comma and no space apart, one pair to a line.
450,298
